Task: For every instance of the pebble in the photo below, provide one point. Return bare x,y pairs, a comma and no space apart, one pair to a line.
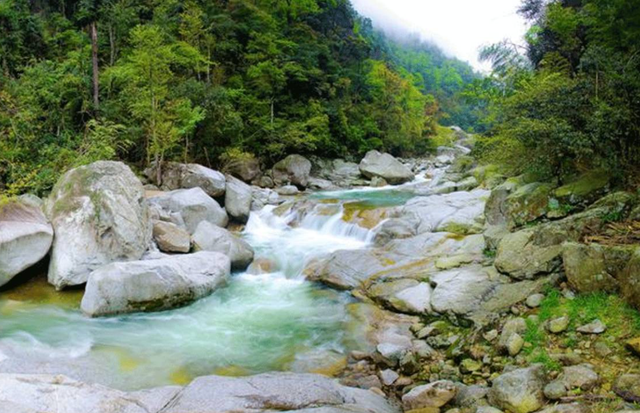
558,325
555,390
594,327
534,300
389,377
490,335
514,344
602,349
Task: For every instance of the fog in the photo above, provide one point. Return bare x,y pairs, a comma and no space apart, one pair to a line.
459,27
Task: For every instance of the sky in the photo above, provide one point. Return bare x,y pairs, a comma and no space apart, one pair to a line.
459,27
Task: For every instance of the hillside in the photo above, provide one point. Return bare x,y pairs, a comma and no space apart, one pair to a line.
209,82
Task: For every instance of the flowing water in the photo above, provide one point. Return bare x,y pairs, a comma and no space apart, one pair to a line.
273,321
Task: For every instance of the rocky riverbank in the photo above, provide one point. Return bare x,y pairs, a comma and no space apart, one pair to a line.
475,293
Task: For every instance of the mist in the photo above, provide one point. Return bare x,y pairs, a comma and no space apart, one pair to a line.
459,27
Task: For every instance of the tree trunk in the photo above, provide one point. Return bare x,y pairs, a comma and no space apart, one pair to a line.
112,44
94,59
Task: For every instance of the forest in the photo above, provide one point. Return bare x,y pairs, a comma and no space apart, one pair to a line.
209,82
569,101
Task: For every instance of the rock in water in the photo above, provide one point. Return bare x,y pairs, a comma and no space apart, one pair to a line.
519,391
42,393
193,206
153,285
294,169
209,237
275,392
99,215
383,165
237,199
25,236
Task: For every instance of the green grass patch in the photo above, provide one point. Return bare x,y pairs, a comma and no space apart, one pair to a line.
444,137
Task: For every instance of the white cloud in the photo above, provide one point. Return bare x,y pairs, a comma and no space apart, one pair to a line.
460,27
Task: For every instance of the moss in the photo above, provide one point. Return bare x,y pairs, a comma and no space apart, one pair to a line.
444,137
457,228
181,376
231,371
38,291
589,183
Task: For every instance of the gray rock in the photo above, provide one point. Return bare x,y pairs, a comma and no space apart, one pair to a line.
294,169
153,285
99,215
378,182
555,390
193,206
209,237
432,395
320,184
520,257
245,168
186,176
594,327
511,327
237,199
275,391
388,377
579,377
288,190
407,296
461,291
593,268
558,325
567,408
534,300
383,165
514,344
627,386
488,409
25,236
519,391
170,237
40,393
470,396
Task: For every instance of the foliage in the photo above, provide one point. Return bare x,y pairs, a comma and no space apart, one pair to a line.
189,80
575,105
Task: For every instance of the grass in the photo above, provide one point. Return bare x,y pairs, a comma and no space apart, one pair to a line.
444,136
621,319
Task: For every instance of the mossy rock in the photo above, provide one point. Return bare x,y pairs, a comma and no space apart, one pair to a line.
528,203
586,189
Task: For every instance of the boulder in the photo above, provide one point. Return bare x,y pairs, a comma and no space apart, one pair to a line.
99,215
383,165
432,395
630,280
404,295
294,169
209,237
591,267
519,391
511,327
25,236
187,176
461,291
584,190
193,206
154,285
237,199
170,237
42,393
275,392
457,212
246,168
344,269
527,204
521,258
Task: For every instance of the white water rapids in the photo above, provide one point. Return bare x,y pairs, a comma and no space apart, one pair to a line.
257,323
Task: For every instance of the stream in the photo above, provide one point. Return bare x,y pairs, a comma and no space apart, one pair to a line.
258,323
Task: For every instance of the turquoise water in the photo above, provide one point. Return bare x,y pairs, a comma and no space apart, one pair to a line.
257,323
369,198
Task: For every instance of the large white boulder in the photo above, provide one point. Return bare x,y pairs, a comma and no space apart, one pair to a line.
385,166
275,391
209,237
99,215
154,285
43,393
25,236
193,206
